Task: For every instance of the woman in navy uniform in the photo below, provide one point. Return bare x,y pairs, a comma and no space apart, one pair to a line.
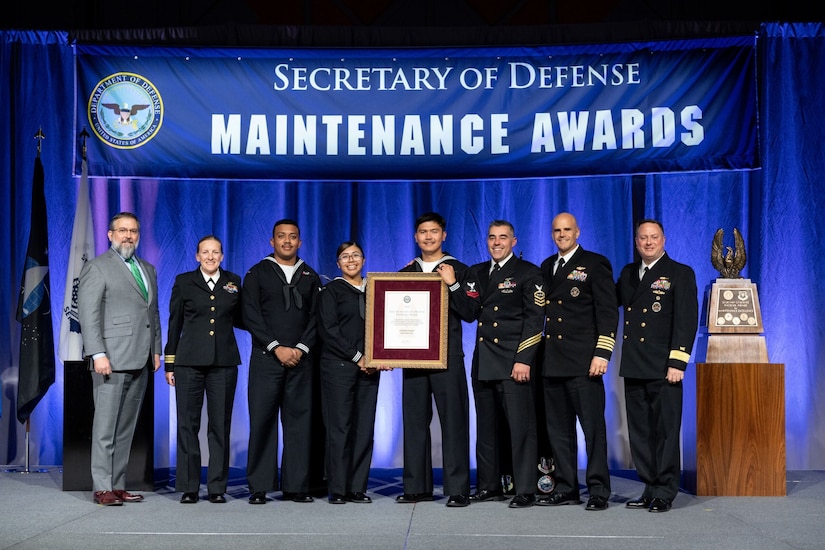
349,390
202,357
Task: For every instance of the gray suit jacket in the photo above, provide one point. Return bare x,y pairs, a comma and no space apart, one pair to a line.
114,317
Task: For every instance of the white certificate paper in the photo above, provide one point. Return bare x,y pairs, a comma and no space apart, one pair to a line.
407,319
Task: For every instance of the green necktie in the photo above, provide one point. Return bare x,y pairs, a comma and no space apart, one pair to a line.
136,273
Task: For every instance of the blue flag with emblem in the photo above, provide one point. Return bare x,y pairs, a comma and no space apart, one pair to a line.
37,365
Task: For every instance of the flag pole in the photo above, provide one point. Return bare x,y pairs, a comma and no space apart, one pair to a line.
39,136
83,135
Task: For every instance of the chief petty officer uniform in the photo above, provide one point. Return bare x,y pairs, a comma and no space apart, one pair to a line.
277,312
510,323
449,390
581,322
202,352
660,320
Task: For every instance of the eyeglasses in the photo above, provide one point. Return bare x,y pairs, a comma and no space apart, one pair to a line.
347,257
125,231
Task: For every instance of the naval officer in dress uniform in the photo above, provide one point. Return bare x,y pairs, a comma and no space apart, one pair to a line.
658,297
510,322
580,333
201,355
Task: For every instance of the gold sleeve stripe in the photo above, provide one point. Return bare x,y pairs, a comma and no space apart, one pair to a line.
530,342
679,355
168,358
606,342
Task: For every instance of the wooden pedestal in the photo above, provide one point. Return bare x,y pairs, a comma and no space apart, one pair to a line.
735,444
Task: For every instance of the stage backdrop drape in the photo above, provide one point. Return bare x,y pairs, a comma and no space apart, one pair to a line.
775,208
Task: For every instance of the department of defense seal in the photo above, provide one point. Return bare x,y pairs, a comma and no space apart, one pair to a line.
125,110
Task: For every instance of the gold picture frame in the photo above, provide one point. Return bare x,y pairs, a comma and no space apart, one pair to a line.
406,320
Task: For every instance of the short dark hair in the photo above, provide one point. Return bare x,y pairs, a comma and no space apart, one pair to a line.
431,217
649,220
122,215
346,244
501,223
210,238
286,221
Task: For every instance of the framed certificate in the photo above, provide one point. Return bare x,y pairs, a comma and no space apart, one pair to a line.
406,320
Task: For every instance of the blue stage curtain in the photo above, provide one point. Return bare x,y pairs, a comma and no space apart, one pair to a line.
775,208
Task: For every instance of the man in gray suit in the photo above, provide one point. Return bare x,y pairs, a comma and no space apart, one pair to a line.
120,323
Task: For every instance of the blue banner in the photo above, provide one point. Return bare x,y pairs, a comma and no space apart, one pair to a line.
419,114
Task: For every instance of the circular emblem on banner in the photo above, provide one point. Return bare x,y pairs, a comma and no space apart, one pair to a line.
125,110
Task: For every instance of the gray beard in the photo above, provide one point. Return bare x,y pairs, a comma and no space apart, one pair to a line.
125,253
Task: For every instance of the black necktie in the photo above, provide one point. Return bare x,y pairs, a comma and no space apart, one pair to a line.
645,272
211,284
558,268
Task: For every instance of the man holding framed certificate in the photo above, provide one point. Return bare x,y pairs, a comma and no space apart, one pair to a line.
448,387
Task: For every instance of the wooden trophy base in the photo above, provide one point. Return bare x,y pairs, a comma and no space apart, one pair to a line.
735,443
736,348
735,446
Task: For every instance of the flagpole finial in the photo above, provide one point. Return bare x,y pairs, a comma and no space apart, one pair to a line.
83,135
39,136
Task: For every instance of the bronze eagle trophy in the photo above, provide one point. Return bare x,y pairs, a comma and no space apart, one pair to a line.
728,261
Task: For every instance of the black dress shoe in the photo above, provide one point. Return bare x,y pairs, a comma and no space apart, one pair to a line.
639,503
301,497
258,497
189,498
559,499
458,501
485,495
217,498
596,503
659,505
336,498
358,497
522,501
410,498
